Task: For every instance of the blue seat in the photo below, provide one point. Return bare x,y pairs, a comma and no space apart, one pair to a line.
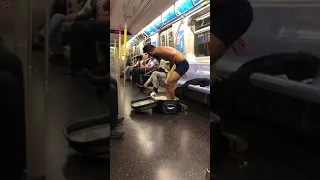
307,92
197,70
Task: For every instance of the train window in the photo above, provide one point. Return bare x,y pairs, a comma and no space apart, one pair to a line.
202,22
163,39
170,38
202,44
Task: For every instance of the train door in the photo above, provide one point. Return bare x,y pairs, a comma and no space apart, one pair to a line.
163,39
202,36
170,37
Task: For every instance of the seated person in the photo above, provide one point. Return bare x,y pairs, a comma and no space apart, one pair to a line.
156,76
61,23
137,69
150,64
130,66
83,39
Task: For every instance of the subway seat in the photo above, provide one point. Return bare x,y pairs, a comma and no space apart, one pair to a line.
308,92
197,70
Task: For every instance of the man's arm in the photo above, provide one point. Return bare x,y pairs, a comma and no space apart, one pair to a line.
85,10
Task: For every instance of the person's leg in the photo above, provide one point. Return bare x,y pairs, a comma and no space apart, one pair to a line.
174,77
55,21
135,76
113,97
157,76
181,68
142,71
56,38
150,79
127,72
115,84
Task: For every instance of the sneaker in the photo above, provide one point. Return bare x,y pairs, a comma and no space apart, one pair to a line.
141,87
120,119
153,94
116,133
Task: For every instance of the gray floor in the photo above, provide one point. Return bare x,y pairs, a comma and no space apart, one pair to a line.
155,146
70,99
160,147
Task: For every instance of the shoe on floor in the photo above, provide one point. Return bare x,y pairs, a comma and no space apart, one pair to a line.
153,94
116,133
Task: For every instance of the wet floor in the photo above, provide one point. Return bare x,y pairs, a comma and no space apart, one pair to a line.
158,146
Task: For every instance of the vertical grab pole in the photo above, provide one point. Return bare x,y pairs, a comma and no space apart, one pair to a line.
125,61
125,52
118,65
114,56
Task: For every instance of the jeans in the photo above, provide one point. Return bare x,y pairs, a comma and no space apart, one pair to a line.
113,99
136,74
127,72
58,25
155,77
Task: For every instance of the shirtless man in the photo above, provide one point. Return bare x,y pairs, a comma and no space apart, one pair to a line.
175,58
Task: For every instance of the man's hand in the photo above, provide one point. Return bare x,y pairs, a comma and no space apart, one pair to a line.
185,76
239,46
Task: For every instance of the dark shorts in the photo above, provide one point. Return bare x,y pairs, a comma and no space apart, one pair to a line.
182,67
230,20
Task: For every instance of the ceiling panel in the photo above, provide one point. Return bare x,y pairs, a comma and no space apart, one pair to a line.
140,12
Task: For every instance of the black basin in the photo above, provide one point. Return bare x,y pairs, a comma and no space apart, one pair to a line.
89,136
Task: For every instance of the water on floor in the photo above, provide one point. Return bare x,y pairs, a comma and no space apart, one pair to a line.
158,146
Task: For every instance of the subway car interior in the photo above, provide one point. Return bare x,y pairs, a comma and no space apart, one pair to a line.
163,144
70,68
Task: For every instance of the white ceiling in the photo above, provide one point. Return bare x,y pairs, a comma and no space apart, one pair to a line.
139,14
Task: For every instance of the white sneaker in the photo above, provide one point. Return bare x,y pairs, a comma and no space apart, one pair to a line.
153,94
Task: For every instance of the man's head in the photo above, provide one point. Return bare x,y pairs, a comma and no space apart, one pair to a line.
149,49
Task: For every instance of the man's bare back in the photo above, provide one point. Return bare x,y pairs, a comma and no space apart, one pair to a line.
169,54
